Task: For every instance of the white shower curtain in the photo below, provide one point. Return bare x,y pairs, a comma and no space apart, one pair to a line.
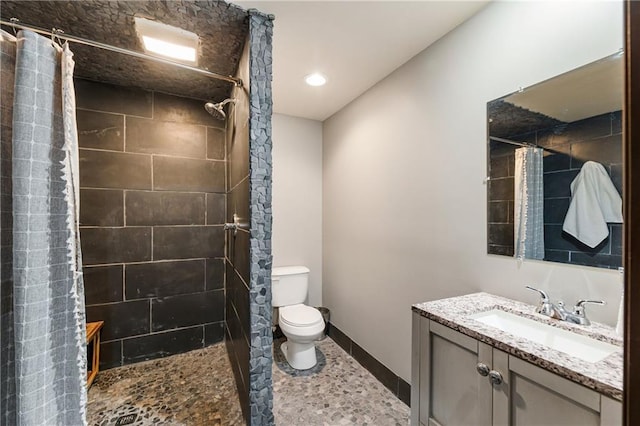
528,204
43,353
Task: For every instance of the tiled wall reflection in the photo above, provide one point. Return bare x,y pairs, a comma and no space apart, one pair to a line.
152,206
569,146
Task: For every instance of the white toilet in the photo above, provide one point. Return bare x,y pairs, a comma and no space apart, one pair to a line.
301,324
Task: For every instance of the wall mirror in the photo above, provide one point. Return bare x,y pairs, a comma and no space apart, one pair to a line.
555,168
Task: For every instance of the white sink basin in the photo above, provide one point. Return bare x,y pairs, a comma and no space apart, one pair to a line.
576,345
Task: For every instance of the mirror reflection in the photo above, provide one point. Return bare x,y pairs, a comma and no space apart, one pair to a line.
555,168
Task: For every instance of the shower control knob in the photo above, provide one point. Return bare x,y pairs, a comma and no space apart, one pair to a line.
495,377
482,369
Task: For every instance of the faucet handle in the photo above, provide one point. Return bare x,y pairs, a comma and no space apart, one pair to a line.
546,307
579,308
543,294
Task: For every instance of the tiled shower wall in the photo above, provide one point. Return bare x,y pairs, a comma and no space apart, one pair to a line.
237,265
152,205
570,145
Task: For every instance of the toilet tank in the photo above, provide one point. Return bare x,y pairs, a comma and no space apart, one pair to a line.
289,285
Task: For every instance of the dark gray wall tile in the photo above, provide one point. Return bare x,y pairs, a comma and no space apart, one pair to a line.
213,333
240,344
500,234
606,150
100,130
379,370
182,174
122,319
498,212
160,279
616,122
616,176
238,352
215,274
340,338
238,153
501,250
499,166
187,310
616,239
600,260
589,128
554,161
187,242
238,202
215,143
159,345
164,208
238,297
115,245
501,189
102,169
238,252
110,354
183,110
102,284
404,391
168,138
216,209
110,98
558,184
555,210
556,239
101,207
561,256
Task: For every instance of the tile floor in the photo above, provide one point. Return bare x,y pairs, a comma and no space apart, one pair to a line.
197,388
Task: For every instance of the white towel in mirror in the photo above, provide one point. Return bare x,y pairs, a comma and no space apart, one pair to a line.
595,201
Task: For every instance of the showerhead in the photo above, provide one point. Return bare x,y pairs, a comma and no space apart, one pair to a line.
217,110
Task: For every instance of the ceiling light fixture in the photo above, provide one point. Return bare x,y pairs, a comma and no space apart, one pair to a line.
315,79
167,41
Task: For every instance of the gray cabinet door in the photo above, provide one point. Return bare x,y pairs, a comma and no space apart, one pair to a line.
533,396
451,391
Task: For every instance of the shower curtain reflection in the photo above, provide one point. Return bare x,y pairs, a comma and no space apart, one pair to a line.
528,204
43,352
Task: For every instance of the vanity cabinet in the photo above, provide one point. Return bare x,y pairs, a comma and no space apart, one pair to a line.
458,380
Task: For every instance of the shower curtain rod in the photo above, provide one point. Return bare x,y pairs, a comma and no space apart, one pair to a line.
525,144
57,33
509,141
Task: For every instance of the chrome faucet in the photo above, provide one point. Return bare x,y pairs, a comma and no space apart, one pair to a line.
546,307
576,316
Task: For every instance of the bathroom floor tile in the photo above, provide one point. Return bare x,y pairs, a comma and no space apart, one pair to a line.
194,388
197,388
342,392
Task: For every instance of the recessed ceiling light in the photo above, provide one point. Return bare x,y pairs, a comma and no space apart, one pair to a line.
164,40
315,79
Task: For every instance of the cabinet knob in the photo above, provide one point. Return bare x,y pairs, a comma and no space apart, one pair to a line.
495,377
482,369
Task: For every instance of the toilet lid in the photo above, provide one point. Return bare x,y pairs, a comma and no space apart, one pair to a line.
300,315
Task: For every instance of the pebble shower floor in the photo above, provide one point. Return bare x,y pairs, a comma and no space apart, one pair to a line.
197,388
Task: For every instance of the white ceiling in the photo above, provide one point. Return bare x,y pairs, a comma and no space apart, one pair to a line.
354,43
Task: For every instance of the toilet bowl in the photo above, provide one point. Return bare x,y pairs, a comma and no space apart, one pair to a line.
302,325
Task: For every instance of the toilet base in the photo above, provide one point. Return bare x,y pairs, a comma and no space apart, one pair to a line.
300,356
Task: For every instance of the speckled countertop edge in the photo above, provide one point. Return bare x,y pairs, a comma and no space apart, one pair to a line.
604,376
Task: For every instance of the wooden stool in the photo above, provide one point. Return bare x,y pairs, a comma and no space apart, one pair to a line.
93,338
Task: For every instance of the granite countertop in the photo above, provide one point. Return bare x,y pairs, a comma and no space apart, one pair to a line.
604,376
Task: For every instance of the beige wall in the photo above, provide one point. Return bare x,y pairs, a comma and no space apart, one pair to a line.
404,205
297,197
